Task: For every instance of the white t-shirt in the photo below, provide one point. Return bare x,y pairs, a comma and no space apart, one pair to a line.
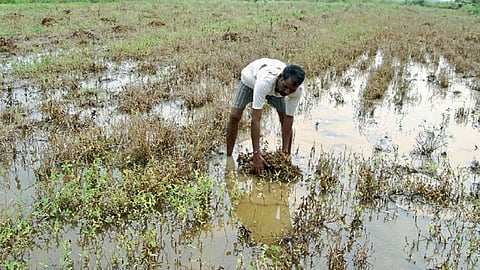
261,75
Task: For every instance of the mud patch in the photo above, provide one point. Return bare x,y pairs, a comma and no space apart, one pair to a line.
156,23
235,37
231,36
7,45
108,20
83,36
120,29
473,38
48,21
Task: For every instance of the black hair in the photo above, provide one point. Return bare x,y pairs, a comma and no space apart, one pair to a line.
295,72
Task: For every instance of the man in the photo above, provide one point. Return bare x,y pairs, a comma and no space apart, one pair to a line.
281,86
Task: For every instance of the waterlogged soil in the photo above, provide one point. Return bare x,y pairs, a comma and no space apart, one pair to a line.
331,120
420,132
334,120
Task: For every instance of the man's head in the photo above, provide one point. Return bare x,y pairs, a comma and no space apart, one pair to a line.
289,80
295,73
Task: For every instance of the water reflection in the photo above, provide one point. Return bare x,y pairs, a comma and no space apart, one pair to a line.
261,206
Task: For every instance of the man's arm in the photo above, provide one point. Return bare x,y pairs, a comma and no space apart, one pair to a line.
287,134
255,128
258,162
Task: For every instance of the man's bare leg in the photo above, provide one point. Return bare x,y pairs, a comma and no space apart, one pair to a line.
232,128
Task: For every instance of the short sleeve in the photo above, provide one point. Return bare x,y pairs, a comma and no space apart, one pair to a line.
260,91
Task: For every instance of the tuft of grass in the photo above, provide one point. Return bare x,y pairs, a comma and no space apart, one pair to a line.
431,139
16,236
379,81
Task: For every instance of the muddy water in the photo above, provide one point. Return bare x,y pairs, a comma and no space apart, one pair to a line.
331,118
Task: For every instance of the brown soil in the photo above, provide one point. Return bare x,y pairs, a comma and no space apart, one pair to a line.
156,23
120,29
48,21
83,36
108,20
7,45
230,36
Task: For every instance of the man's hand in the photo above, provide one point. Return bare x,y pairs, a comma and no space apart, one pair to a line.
286,157
259,164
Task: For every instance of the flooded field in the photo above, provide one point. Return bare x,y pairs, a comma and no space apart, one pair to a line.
335,127
112,139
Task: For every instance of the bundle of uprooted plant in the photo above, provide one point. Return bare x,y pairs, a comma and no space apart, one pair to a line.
279,168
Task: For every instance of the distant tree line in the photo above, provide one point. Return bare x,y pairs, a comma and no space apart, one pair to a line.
470,6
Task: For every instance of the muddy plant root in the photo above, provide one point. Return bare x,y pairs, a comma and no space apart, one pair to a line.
280,166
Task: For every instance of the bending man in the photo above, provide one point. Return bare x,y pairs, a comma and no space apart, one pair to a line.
272,81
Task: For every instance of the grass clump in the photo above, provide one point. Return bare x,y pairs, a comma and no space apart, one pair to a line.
100,197
16,236
379,81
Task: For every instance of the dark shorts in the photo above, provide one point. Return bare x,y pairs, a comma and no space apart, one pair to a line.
245,95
